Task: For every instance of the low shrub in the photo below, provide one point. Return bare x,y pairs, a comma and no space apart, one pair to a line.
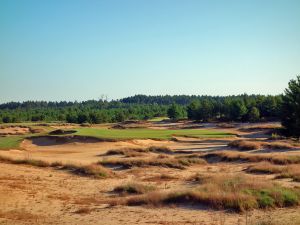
244,145
84,210
128,152
134,188
160,149
93,170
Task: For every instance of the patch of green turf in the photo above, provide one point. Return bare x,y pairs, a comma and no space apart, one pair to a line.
158,119
148,133
11,142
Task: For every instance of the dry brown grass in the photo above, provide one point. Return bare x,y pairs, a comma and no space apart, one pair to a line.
197,178
26,161
161,177
254,145
287,171
222,192
232,156
244,145
84,210
92,170
135,152
277,145
279,220
128,152
266,167
134,188
160,160
292,171
160,149
260,127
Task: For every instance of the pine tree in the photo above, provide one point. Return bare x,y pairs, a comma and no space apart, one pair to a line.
291,108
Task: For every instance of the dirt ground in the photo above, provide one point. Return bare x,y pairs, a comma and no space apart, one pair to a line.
46,196
32,195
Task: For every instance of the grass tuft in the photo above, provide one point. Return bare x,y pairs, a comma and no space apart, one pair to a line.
244,145
93,170
160,160
231,156
133,188
236,193
254,145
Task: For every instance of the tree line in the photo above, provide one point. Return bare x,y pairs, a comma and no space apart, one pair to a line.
243,108
141,107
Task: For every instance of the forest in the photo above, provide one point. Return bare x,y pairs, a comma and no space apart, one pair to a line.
246,108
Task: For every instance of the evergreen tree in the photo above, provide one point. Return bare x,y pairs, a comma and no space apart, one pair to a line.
192,110
174,112
237,110
253,114
205,110
120,116
291,108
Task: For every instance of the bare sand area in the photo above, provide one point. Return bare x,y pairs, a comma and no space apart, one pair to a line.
51,195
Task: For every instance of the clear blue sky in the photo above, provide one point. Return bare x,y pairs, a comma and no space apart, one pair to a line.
81,49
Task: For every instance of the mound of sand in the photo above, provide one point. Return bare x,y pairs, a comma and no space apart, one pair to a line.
14,130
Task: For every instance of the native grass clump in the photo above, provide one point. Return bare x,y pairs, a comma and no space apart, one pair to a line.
237,193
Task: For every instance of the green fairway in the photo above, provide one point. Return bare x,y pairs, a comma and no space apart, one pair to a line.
148,133
12,142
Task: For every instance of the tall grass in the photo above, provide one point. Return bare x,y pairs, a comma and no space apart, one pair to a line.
160,160
231,156
92,170
134,152
236,193
244,145
254,145
283,171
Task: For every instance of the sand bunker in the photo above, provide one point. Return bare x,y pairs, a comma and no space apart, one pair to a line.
62,132
58,140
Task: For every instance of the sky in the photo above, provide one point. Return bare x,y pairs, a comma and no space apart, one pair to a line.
83,49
